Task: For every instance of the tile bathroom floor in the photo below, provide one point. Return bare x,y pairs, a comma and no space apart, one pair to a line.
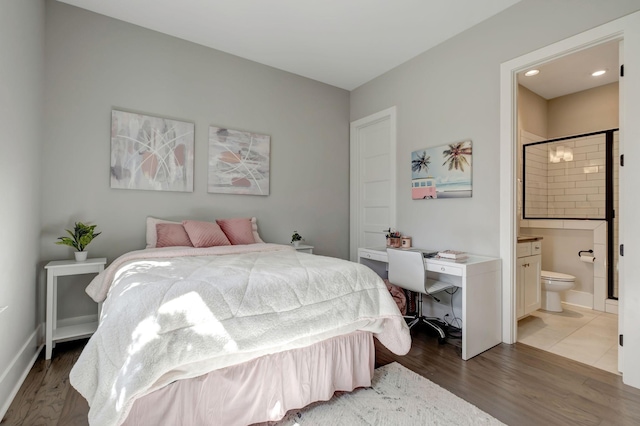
577,333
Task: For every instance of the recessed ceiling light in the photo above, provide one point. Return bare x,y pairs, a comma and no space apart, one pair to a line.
531,73
598,73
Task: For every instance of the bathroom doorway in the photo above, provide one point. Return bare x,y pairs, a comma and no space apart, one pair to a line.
568,199
627,29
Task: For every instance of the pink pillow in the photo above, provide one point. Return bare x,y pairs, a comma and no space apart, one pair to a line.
238,231
152,233
172,234
205,234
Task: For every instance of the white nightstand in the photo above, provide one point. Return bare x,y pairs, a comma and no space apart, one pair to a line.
304,248
55,269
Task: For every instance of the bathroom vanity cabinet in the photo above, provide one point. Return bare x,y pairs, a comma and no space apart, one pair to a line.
528,286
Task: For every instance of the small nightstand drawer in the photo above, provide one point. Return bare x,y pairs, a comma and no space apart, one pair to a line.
304,248
444,269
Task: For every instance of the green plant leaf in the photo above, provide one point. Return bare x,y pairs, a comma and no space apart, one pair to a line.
81,236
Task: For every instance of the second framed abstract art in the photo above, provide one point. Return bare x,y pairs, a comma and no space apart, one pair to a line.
238,162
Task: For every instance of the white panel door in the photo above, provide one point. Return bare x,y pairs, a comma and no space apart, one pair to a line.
373,179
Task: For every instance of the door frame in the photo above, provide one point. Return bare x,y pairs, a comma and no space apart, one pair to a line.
354,173
628,29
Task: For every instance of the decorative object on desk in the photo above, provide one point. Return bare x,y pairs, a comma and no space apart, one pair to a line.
238,162
451,179
453,255
79,239
393,238
151,153
406,241
586,258
296,238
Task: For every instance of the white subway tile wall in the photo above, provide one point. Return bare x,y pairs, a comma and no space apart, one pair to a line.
573,186
536,202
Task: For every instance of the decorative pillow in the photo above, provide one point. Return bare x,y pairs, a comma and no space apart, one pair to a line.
205,234
254,226
171,235
152,236
238,231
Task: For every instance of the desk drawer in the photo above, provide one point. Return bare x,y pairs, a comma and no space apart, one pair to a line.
444,269
380,257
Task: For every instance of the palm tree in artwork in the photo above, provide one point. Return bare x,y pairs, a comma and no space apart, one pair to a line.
422,162
456,154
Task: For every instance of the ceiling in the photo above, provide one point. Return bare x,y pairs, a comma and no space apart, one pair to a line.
572,73
344,43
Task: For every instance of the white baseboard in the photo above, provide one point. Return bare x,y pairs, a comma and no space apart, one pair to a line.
578,298
611,306
13,376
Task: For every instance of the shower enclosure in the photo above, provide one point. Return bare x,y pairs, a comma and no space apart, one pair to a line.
575,178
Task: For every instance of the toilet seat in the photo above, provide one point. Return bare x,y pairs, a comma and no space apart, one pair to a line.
556,276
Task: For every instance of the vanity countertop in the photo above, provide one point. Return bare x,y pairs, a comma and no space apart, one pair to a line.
528,238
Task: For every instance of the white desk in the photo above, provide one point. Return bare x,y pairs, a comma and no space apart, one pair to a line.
479,279
55,269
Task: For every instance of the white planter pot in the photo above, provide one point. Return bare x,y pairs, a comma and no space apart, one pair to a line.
296,243
81,256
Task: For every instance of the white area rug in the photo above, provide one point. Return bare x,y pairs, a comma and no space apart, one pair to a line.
398,396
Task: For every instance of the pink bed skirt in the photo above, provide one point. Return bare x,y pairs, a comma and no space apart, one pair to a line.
263,389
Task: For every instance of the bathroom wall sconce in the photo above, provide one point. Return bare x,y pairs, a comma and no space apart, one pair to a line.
560,153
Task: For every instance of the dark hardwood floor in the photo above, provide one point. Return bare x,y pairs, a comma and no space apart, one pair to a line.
517,384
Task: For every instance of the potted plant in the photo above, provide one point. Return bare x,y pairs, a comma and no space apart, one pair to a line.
79,239
296,238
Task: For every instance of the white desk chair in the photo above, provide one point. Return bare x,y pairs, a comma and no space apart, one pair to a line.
407,270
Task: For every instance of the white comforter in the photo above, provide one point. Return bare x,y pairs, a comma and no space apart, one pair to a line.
167,318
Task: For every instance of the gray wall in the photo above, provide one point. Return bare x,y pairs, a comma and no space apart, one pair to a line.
21,92
451,93
583,112
95,63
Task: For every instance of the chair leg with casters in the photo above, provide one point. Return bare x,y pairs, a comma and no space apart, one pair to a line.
413,320
441,334
428,321
407,270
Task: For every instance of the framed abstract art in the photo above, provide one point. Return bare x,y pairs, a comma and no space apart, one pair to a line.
151,153
238,162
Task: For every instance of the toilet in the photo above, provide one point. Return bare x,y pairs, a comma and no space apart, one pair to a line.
552,284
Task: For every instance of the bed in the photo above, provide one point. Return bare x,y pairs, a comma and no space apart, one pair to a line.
232,334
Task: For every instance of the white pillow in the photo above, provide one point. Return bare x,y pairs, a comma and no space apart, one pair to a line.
254,226
152,234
